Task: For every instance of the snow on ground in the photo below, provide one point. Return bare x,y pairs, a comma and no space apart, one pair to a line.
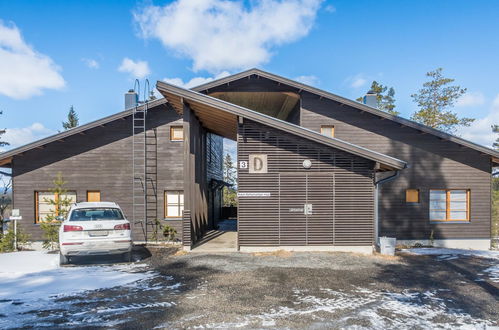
33,281
366,309
451,253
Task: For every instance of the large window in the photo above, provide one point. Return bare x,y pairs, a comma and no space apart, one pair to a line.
449,205
327,130
174,203
43,207
176,133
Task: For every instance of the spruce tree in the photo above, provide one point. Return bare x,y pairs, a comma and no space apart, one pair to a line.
72,119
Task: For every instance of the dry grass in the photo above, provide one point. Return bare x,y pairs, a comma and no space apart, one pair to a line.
180,252
278,253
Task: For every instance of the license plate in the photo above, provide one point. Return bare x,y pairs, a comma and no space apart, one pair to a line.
94,233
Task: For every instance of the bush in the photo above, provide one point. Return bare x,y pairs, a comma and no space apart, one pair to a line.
50,234
169,233
7,240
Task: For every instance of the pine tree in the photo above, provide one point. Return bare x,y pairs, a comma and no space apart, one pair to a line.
435,100
72,119
385,102
61,204
229,173
2,132
495,129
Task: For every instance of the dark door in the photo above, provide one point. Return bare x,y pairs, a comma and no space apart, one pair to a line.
306,209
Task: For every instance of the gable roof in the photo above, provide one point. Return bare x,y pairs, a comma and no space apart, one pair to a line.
6,157
360,106
207,106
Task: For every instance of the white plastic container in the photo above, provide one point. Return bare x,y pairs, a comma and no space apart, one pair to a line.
387,245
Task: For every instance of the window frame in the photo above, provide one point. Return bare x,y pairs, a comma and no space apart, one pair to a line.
448,210
56,196
179,205
331,127
172,138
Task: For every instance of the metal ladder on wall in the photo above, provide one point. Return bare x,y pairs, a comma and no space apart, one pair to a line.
139,163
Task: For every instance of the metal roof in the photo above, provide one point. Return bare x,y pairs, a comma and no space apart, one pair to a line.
302,87
192,96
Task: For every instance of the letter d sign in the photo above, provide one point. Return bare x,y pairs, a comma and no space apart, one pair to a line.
257,163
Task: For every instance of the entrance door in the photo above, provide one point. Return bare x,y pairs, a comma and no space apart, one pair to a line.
306,209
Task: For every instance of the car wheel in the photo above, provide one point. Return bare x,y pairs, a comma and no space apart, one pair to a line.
63,260
127,257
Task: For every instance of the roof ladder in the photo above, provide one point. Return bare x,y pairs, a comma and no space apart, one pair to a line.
139,165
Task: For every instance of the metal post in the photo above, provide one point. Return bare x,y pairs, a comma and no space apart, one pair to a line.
15,235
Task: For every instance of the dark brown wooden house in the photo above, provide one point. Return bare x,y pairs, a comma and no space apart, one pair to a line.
315,171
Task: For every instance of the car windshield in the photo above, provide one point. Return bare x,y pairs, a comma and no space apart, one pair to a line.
91,214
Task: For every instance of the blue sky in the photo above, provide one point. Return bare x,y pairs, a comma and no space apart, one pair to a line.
61,53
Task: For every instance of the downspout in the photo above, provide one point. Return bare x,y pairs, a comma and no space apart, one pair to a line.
377,184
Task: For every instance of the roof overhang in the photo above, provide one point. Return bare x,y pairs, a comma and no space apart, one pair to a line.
221,118
6,157
299,88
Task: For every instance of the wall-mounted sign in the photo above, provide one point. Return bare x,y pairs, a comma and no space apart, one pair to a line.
243,164
253,194
257,163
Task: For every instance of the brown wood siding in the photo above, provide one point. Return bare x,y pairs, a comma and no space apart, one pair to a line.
99,160
434,164
338,185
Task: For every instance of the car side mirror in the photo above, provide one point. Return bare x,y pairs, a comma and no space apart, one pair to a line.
60,218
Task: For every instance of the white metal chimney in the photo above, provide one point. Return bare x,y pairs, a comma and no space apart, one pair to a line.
131,99
370,99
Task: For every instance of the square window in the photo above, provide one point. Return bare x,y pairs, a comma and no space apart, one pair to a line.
412,196
449,205
327,130
176,133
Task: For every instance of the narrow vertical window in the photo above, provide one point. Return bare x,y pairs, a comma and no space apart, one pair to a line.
450,205
327,130
174,204
176,133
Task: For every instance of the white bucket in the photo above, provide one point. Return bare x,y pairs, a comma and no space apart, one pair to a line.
387,245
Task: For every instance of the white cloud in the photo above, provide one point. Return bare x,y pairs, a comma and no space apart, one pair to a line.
23,71
330,9
470,99
357,81
227,35
196,81
21,136
308,80
136,69
91,63
480,130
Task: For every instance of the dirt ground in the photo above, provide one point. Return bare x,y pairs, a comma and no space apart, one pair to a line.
289,290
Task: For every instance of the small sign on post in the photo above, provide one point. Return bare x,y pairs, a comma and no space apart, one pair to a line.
15,215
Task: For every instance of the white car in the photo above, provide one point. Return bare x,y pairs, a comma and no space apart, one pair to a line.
94,228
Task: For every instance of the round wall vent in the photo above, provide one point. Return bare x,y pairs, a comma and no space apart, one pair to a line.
307,163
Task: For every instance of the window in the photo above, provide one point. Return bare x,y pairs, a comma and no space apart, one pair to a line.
327,130
449,205
412,196
176,133
93,196
174,204
92,214
43,207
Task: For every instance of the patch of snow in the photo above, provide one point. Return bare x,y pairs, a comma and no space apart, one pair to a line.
32,281
493,273
453,253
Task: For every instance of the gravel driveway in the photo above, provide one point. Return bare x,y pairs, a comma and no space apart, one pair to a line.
289,290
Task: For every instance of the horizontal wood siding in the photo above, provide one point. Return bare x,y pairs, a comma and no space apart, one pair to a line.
338,185
434,164
98,160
